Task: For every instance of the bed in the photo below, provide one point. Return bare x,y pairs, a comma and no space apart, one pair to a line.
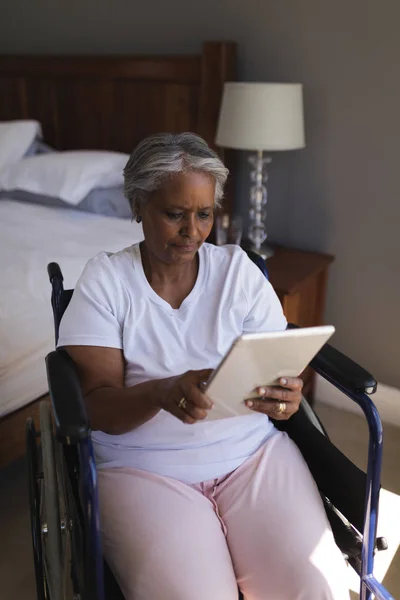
82,103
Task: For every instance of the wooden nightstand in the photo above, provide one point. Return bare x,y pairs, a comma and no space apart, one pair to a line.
299,279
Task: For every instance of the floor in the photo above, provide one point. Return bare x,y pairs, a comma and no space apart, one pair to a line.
347,430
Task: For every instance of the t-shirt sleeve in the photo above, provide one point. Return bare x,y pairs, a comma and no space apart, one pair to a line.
264,311
93,316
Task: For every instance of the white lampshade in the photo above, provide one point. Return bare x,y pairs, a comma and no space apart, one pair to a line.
261,116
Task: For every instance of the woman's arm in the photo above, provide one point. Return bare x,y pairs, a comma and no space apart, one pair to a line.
112,407
116,409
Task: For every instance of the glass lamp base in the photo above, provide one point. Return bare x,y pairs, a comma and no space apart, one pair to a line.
257,209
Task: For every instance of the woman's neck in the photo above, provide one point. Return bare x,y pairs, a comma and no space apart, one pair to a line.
164,273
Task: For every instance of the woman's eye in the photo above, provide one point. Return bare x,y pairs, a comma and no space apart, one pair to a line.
204,215
174,216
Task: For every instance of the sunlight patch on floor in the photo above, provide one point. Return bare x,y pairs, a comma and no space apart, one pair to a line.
388,527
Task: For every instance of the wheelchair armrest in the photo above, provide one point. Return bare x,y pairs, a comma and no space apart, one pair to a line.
70,416
342,369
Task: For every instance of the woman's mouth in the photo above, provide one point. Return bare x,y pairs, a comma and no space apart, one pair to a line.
185,247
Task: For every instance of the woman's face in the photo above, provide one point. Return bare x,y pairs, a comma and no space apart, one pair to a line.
179,216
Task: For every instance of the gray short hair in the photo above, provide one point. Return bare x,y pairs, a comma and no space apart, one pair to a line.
157,156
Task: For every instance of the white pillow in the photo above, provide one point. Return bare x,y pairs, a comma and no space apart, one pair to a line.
69,176
15,139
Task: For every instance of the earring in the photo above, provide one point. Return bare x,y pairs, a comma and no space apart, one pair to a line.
138,219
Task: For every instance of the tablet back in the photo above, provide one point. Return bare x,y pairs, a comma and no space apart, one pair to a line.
261,359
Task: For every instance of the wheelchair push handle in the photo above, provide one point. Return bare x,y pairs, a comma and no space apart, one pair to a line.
54,272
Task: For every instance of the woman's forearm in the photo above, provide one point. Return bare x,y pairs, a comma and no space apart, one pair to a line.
119,410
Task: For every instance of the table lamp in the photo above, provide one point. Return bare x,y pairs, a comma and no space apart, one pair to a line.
260,117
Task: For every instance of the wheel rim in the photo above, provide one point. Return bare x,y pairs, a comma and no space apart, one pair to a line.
34,503
51,536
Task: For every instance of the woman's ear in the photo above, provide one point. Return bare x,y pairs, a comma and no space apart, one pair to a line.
137,212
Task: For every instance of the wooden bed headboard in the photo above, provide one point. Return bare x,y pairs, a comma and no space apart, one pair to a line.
112,102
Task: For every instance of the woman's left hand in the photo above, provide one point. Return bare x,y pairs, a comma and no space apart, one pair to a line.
278,402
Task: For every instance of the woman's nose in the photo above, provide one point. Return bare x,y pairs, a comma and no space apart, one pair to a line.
190,226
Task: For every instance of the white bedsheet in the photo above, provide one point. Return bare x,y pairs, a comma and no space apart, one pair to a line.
31,236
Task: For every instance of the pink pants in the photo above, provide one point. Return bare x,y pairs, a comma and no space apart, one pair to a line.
262,527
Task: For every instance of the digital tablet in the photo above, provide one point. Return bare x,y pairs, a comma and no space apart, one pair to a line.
261,359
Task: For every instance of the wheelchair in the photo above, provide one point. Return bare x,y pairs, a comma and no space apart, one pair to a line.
63,496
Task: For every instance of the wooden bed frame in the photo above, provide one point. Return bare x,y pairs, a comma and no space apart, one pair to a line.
111,103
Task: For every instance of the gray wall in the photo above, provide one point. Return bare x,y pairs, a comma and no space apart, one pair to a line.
341,193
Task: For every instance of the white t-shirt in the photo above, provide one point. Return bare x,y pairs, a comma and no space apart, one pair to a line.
113,305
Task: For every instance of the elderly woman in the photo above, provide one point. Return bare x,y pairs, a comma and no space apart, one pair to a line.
191,508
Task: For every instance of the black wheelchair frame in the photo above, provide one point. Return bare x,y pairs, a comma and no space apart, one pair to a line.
63,482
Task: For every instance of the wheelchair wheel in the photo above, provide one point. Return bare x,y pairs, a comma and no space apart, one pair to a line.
34,504
52,543
49,524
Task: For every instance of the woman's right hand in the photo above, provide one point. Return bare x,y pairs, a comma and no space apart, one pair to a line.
183,397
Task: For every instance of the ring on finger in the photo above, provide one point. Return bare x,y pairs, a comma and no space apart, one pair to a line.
281,408
182,403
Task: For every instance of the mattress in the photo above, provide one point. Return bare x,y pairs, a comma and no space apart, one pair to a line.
31,236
